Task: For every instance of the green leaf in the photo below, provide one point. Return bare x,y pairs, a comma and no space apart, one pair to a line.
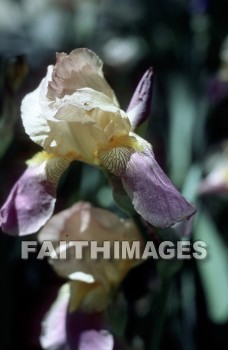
191,183
182,120
214,269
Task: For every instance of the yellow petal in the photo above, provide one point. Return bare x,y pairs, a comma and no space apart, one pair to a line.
75,140
89,297
115,159
88,99
74,113
51,167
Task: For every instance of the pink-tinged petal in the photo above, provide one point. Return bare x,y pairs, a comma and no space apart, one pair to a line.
82,68
152,193
32,199
92,283
206,187
54,334
93,340
216,181
30,204
216,170
139,108
184,228
80,326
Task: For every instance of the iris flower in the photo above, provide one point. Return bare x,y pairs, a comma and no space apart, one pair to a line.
74,115
77,319
92,281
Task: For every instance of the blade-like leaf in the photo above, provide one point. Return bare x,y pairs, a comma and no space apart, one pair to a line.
214,269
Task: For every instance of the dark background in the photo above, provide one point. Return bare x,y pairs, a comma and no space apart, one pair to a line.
186,42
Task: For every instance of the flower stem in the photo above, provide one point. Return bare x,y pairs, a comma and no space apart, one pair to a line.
160,314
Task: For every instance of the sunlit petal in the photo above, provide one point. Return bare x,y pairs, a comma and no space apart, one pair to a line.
62,329
35,111
53,334
82,68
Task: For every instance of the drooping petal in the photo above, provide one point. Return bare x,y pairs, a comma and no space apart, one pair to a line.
29,205
115,159
139,107
32,199
152,193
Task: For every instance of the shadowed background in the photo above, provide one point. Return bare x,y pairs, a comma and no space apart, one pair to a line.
186,42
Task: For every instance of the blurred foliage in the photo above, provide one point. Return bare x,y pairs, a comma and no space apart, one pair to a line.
187,44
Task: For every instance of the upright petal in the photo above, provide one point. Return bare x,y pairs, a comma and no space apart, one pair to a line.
32,199
74,112
81,68
152,193
139,107
35,112
88,120
54,335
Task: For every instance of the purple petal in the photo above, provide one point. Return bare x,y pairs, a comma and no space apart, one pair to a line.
153,195
93,340
29,205
82,327
217,90
209,186
184,228
73,330
139,108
